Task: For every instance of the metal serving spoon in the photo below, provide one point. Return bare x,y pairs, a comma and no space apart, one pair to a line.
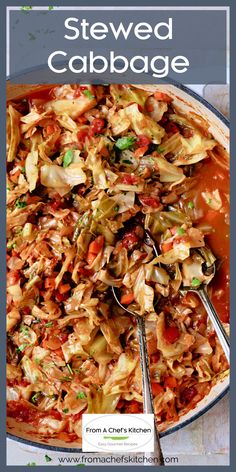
146,383
218,326
219,329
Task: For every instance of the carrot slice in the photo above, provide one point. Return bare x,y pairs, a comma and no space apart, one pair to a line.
49,282
165,247
157,388
127,298
140,151
170,382
96,245
63,288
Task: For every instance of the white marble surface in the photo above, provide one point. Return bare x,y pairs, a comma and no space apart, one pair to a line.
206,440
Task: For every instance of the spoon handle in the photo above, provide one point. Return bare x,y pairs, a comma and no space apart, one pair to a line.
219,328
147,391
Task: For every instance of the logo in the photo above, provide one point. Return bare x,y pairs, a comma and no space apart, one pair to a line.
118,433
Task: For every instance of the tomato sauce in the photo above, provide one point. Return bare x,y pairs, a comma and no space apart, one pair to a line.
213,177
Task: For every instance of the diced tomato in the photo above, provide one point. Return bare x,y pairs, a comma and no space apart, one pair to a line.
85,272
56,204
143,140
171,334
165,247
26,311
49,282
77,93
82,135
140,151
149,201
127,298
82,120
120,404
129,240
170,382
50,129
55,414
157,389
24,382
60,297
162,97
172,128
14,253
97,126
77,416
64,288
129,179
83,87
155,358
188,394
12,277
133,407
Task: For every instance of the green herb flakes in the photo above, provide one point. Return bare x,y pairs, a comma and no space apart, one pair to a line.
125,143
191,205
68,158
196,282
20,204
81,395
88,94
21,347
180,231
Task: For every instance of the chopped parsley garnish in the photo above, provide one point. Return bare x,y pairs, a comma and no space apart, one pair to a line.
68,158
116,208
160,149
125,143
47,458
35,397
65,410
81,395
37,360
196,282
30,464
21,347
180,231
23,170
191,205
20,204
24,329
47,325
209,201
69,368
88,94
25,9
50,8
65,379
